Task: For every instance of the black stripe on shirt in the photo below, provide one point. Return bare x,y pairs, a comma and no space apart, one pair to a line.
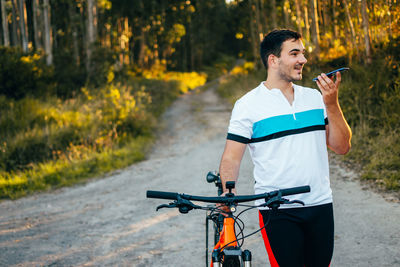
238,138
245,140
288,132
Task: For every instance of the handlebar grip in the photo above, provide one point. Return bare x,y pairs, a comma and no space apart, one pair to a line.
161,194
295,190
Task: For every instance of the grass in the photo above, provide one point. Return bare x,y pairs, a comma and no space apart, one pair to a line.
51,143
60,173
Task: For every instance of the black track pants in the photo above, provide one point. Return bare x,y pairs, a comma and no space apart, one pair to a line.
299,236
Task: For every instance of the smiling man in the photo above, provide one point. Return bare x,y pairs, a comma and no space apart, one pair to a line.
287,129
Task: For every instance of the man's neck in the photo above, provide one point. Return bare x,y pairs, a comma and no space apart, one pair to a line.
285,86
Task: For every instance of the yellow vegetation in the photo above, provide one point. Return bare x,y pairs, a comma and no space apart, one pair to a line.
187,80
243,69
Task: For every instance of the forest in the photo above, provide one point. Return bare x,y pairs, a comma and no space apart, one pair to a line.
83,83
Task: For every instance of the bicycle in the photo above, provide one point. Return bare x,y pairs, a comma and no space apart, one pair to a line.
227,251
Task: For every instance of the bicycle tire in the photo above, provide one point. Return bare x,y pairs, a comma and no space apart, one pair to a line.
231,262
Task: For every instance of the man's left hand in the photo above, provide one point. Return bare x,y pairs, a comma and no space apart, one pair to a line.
329,89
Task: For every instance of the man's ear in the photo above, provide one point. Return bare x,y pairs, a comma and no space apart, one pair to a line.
272,59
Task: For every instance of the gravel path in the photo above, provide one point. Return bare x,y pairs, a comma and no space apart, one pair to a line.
109,222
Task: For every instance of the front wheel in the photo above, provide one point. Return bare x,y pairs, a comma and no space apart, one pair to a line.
231,262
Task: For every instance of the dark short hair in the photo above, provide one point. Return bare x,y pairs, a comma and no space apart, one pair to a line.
272,43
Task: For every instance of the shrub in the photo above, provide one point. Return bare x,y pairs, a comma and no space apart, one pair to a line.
162,93
186,80
221,66
22,74
240,82
56,142
68,76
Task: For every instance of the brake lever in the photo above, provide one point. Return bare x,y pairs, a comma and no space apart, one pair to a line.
294,201
170,205
185,205
182,204
276,201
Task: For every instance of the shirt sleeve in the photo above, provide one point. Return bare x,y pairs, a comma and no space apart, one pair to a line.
240,126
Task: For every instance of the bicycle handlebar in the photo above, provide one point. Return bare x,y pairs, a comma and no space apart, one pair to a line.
161,195
230,199
295,190
183,202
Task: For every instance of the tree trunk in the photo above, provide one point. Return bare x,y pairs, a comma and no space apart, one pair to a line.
264,16
22,28
47,35
307,22
126,41
132,55
253,33
192,46
90,36
299,18
257,20
320,11
95,21
352,31
273,14
326,20
73,20
36,28
142,47
184,53
81,25
15,34
389,13
334,19
358,25
315,26
285,8
6,34
365,24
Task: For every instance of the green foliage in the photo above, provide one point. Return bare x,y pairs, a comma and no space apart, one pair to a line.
162,94
382,159
102,63
26,74
185,80
22,74
371,101
235,85
175,34
221,66
54,174
60,142
67,77
368,95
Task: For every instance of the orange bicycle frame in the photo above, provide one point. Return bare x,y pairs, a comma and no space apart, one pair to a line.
227,235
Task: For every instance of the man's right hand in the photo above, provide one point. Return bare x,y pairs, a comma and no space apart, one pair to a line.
224,210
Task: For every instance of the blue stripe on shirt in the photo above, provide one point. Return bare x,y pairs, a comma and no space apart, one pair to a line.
288,122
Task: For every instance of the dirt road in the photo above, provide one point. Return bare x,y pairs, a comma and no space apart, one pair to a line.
109,222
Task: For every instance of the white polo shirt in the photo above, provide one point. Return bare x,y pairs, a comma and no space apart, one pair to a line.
287,143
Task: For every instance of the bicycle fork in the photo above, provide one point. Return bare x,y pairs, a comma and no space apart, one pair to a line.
226,250
217,258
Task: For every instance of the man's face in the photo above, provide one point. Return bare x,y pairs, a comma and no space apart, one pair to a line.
292,60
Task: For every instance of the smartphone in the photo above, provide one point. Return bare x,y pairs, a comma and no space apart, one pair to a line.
329,74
